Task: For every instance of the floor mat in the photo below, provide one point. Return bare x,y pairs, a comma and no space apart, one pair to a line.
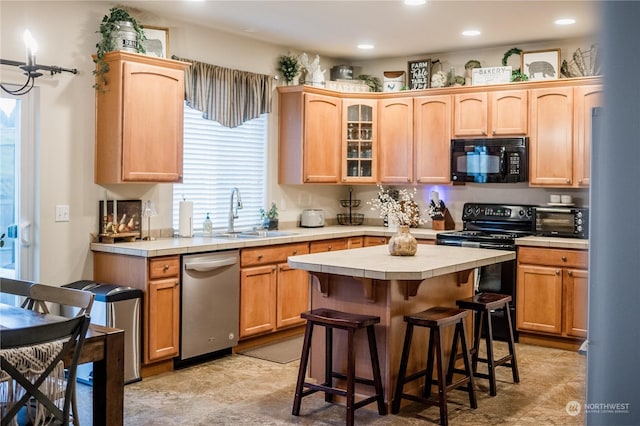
281,352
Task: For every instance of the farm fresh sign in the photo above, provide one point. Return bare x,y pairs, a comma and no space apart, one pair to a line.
419,74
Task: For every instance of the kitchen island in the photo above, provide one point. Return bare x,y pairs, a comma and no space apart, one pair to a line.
370,281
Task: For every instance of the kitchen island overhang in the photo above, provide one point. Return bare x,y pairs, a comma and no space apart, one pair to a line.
370,281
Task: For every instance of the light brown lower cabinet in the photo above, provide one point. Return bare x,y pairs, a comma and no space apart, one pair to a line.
552,292
272,295
159,278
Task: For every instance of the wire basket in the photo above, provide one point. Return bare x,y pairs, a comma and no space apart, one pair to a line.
350,219
349,203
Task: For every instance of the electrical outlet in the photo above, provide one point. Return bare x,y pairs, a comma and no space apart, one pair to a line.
62,213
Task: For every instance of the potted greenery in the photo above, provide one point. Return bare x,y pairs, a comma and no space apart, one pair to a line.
270,217
116,21
289,67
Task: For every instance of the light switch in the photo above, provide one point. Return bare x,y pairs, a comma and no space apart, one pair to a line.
62,213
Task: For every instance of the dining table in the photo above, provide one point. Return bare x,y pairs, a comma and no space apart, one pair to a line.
103,346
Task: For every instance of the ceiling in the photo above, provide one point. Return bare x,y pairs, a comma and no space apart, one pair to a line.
335,28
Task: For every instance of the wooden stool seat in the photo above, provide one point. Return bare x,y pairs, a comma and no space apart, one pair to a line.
484,303
331,319
435,319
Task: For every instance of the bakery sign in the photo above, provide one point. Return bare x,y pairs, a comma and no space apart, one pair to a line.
490,75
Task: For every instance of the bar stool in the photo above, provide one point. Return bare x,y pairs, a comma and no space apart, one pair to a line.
435,319
331,319
484,303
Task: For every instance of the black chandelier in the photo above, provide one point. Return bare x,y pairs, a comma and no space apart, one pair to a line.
30,68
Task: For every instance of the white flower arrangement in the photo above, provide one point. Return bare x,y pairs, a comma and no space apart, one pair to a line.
401,211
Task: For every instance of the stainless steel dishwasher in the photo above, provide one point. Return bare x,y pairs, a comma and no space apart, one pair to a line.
210,303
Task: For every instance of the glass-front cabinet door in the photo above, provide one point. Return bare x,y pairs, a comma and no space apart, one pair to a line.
359,140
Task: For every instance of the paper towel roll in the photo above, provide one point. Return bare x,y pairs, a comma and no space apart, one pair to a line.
186,219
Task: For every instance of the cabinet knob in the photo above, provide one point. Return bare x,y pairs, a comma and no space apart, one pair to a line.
568,180
570,273
259,257
564,258
408,179
295,252
493,133
580,181
274,268
165,267
330,247
484,133
557,271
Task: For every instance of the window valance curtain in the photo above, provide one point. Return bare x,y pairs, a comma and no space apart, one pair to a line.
225,95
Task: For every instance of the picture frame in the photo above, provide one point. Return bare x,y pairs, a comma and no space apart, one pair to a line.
128,211
541,64
419,74
157,42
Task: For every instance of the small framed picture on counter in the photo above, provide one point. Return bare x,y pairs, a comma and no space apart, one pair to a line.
541,64
126,214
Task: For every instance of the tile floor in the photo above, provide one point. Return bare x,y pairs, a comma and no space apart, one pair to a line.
240,390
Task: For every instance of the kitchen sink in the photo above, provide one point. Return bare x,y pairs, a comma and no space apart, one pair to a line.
265,233
253,234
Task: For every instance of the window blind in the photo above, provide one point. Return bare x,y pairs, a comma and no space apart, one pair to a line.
217,159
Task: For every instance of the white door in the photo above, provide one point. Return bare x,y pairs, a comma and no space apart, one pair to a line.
18,185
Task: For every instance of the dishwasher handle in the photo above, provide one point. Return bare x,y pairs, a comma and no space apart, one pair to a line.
210,265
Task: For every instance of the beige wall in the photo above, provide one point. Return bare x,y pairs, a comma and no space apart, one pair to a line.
65,32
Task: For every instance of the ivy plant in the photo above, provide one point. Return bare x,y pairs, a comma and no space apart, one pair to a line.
108,29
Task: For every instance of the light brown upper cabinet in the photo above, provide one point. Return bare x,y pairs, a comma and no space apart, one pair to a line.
359,140
310,137
395,130
585,98
432,138
139,120
499,113
551,136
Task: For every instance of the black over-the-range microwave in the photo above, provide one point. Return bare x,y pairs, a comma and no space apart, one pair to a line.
495,160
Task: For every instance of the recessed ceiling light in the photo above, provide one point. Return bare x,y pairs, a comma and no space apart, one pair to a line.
565,21
414,2
365,46
471,33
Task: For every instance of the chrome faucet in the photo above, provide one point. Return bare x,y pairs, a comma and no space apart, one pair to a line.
233,208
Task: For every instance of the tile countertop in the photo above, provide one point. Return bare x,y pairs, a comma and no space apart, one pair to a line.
554,242
179,245
376,263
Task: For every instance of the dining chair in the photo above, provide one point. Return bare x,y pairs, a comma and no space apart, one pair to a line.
83,300
41,293
17,288
21,359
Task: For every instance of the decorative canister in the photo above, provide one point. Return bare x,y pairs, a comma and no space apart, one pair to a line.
403,243
126,37
341,72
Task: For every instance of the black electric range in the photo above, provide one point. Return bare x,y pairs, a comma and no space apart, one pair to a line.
491,226
494,226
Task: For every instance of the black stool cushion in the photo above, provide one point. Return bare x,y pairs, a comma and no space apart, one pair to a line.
484,301
339,319
436,316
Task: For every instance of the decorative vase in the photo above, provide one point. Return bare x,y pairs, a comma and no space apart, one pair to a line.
403,243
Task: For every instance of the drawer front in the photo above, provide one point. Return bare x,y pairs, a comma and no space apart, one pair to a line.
256,256
328,245
164,267
374,241
553,257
